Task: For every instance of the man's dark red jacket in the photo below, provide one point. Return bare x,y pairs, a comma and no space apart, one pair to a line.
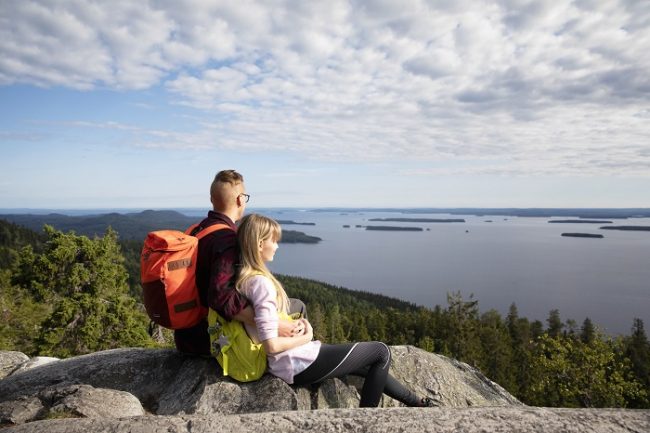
216,271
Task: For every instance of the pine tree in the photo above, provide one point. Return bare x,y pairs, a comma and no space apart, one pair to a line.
335,329
86,283
497,351
359,330
570,373
637,350
588,331
521,357
536,329
511,320
376,324
571,327
555,324
318,321
463,337
20,317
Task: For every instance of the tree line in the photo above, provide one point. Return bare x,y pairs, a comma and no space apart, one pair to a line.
64,294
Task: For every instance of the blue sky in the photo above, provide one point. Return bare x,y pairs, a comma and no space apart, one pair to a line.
337,103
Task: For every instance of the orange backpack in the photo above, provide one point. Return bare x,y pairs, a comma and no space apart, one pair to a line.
167,275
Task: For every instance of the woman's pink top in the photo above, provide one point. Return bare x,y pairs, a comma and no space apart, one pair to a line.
261,292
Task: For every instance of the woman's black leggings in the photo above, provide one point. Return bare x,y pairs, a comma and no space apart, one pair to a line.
370,360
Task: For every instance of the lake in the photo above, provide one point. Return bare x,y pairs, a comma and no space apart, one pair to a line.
511,259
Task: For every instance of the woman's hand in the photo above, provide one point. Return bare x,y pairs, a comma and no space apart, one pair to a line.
289,328
301,327
280,344
308,331
293,328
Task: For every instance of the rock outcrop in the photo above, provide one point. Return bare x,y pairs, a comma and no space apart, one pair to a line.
390,420
10,360
164,382
127,390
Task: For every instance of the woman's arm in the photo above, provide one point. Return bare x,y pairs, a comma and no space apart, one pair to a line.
280,344
262,294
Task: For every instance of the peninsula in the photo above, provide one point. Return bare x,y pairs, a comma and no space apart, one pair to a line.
295,237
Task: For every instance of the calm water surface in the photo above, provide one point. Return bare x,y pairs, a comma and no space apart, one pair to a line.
511,259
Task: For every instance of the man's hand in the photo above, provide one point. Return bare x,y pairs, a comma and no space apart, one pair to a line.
291,328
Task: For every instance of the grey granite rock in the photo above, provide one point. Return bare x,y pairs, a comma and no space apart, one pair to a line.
37,361
21,410
88,402
145,373
168,383
10,360
389,420
71,401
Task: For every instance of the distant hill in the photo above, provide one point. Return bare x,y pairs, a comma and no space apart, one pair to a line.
13,237
593,213
129,226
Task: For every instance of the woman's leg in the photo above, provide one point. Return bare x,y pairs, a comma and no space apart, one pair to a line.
394,389
370,358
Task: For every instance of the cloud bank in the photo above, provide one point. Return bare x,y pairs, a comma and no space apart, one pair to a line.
506,87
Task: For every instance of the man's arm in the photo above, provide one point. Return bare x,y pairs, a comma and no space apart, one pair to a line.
247,315
222,295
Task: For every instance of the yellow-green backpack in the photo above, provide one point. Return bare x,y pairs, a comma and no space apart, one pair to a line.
238,356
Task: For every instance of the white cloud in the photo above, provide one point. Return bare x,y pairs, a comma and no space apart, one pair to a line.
541,87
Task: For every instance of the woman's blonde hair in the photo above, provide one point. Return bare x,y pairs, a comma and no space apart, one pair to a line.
253,230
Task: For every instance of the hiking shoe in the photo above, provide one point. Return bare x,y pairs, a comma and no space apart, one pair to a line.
428,402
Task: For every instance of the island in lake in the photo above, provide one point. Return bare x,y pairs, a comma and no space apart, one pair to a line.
629,228
581,221
419,220
294,237
394,228
583,235
290,222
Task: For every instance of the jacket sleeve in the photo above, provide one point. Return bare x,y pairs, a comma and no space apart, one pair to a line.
262,294
222,295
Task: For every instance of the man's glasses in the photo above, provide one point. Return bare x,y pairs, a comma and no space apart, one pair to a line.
246,197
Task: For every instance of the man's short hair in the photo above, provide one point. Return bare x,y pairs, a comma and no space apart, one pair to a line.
230,177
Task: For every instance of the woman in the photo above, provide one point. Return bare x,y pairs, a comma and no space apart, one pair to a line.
298,360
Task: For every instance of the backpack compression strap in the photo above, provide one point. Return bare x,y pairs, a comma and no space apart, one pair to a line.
206,231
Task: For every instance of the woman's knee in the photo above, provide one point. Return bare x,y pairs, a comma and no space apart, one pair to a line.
381,351
386,356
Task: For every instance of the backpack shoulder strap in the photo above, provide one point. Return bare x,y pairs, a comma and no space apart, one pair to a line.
206,231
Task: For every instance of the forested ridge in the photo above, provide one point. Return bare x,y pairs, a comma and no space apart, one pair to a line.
131,226
63,294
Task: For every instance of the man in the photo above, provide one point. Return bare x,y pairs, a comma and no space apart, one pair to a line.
216,266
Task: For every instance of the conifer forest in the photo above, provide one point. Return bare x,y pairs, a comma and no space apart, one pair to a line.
63,294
